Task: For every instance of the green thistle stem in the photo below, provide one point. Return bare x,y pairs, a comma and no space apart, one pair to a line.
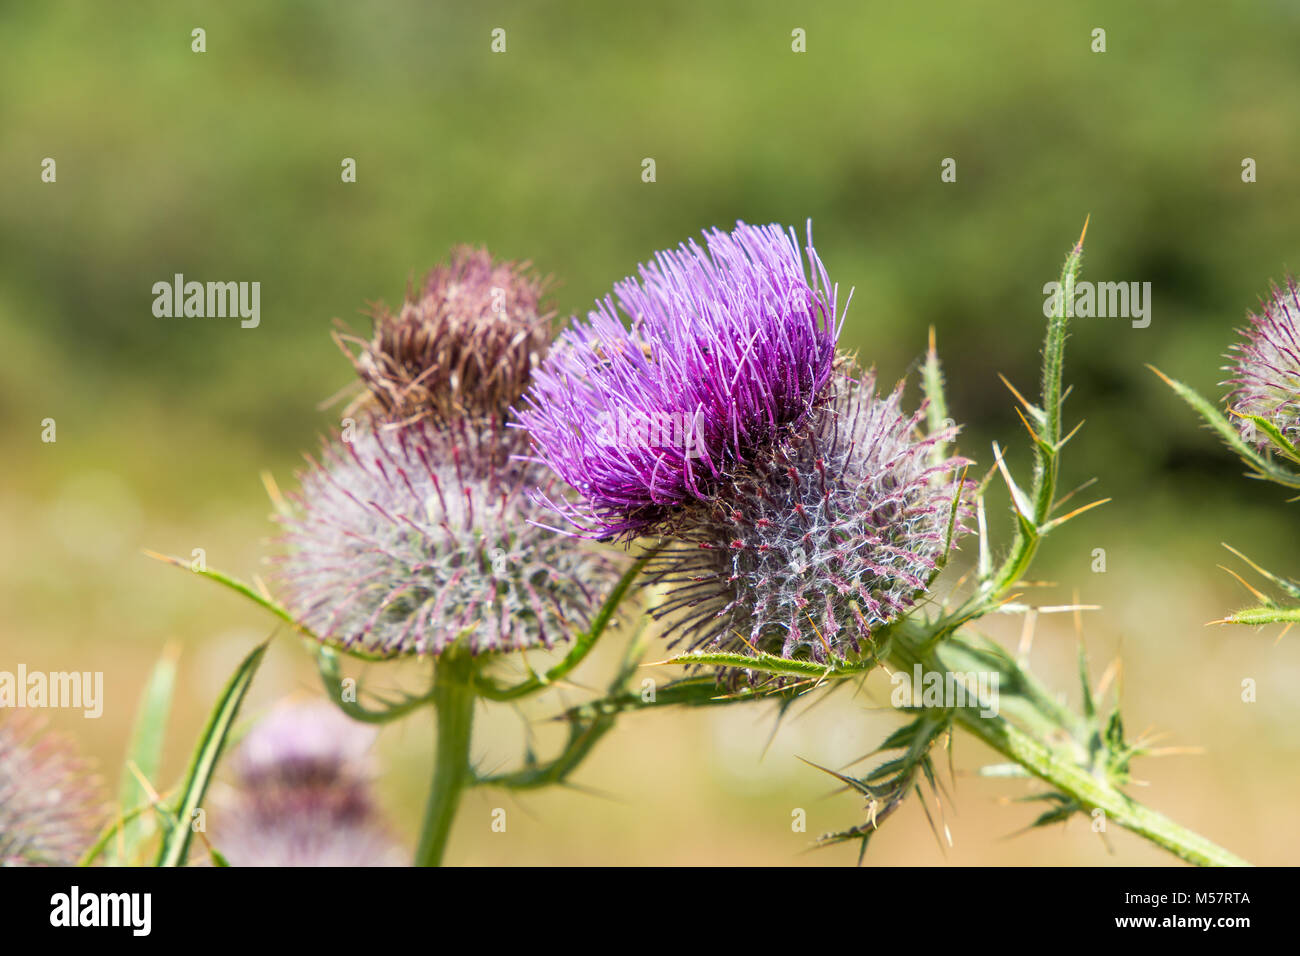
454,700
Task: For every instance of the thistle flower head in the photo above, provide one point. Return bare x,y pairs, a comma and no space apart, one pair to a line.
402,541
49,803
299,744
819,540
303,794
726,350
1266,373
462,347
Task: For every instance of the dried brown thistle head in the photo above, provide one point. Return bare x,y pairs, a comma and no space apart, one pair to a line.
462,348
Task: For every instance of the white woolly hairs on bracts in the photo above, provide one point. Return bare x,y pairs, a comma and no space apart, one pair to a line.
406,541
821,541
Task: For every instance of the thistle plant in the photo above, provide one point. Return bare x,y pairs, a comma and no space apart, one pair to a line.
800,512
50,805
419,533
698,445
1260,422
891,542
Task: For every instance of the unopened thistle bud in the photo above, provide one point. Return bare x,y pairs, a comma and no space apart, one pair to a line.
1266,373
462,347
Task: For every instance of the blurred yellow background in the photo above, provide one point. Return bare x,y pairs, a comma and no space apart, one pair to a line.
225,165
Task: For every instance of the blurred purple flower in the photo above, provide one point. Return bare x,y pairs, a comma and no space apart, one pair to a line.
303,794
297,744
1266,373
726,351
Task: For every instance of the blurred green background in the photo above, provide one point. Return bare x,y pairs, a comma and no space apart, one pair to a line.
225,165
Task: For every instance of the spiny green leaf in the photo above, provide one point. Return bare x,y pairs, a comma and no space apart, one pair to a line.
583,736
1115,732
1059,815
1050,526
1279,440
937,408
890,768
1089,705
262,600
1018,498
768,663
1287,585
953,511
698,691
853,783
902,738
1029,518
327,665
1257,616
984,563
1231,437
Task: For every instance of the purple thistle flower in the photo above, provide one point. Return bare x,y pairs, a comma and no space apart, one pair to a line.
404,541
1266,374
818,541
298,744
305,837
727,351
50,805
304,796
